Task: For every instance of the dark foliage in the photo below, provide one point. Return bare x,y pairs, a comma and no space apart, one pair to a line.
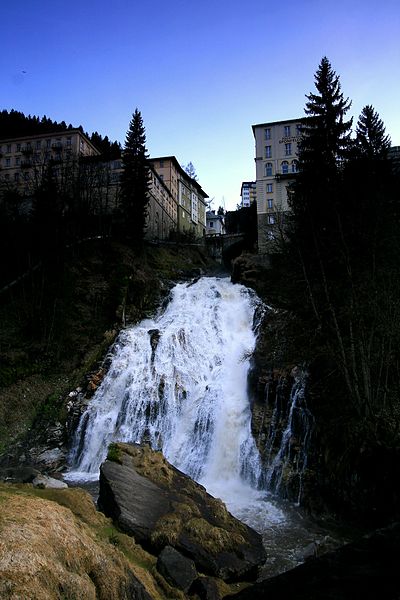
341,279
135,180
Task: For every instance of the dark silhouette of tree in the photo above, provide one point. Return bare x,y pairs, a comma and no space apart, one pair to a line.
371,140
190,170
135,180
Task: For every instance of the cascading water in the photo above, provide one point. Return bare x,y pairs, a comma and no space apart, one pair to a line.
179,382
286,466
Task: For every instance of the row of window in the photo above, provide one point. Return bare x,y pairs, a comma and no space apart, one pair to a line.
38,145
36,159
288,150
287,131
285,168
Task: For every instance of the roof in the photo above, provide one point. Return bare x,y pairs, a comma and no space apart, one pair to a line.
182,172
285,122
49,134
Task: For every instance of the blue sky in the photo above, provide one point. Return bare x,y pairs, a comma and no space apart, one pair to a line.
200,72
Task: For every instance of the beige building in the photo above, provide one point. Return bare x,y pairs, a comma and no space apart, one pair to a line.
162,209
23,159
188,195
276,147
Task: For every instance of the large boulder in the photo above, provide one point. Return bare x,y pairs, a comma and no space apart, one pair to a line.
160,506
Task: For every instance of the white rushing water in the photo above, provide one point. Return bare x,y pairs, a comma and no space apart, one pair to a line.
179,382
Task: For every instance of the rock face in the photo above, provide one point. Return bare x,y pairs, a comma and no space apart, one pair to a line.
179,571
365,569
160,506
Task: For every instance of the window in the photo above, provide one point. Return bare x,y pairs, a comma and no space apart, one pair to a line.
8,147
16,177
8,162
267,133
270,203
268,152
271,219
18,147
270,188
38,144
17,161
48,143
211,223
295,166
69,141
285,167
268,169
298,129
161,164
288,149
287,130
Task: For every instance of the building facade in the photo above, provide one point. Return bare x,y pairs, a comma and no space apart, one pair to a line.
24,159
162,210
176,201
248,193
215,223
188,195
276,149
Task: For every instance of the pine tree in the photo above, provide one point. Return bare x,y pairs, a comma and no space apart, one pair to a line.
135,180
371,140
324,148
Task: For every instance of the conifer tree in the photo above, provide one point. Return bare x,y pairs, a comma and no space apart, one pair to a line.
371,140
325,134
135,180
324,148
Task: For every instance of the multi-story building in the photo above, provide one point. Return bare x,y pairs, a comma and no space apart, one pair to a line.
162,209
176,201
248,193
190,198
276,147
23,159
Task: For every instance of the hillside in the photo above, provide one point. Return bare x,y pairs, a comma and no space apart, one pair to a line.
58,322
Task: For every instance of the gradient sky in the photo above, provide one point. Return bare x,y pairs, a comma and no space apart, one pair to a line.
200,72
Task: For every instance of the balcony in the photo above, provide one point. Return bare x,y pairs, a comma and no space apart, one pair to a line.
25,164
57,146
27,150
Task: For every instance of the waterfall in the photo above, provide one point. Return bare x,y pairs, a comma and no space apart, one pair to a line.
286,464
179,382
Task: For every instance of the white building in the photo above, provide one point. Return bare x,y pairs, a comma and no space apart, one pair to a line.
215,223
248,193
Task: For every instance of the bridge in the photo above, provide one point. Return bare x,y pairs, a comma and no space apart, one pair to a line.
224,247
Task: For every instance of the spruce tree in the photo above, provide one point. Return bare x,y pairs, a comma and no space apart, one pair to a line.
371,140
135,180
324,148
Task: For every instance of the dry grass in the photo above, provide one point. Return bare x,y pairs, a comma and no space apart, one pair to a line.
54,544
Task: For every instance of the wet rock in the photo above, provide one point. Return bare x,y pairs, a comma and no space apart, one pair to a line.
205,588
18,474
43,481
367,569
179,571
160,506
52,457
